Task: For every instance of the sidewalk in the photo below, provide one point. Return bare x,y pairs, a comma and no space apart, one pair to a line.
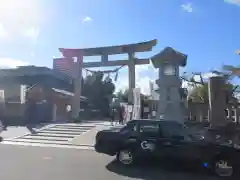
88,138
17,131
14,131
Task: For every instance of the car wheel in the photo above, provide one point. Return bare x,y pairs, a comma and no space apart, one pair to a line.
1,139
223,168
125,157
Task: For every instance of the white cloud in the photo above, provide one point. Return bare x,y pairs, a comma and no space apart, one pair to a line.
187,7
143,75
143,83
236,2
197,78
86,19
12,33
3,32
32,54
205,76
11,63
21,18
31,32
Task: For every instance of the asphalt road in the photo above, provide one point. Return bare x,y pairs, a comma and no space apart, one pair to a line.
38,163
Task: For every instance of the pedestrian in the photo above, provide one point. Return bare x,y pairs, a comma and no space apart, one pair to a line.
3,124
112,114
69,112
121,114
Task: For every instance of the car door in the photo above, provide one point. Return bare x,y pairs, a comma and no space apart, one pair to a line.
176,143
128,134
147,138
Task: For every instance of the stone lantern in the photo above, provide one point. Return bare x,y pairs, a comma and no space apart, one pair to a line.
168,62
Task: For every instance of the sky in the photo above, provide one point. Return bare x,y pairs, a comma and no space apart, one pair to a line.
208,31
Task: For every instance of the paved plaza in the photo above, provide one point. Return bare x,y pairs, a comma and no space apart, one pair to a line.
27,162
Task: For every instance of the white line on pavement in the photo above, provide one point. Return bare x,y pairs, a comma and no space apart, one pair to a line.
81,147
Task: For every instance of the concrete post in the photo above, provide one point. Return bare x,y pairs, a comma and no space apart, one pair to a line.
54,115
217,102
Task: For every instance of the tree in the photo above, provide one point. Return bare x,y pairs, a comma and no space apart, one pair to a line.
122,96
199,92
99,91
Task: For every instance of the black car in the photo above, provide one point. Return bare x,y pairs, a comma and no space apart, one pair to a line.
159,139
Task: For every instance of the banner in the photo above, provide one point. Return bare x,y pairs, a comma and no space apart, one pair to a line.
136,111
128,113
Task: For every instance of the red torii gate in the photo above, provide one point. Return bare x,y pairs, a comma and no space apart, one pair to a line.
104,52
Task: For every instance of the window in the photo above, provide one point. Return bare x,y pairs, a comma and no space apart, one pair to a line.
172,129
226,112
129,128
150,129
169,70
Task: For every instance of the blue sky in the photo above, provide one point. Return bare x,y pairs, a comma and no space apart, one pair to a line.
31,31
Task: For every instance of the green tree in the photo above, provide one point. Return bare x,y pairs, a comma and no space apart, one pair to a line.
199,93
99,91
122,96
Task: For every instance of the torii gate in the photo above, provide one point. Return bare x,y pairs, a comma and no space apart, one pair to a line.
104,52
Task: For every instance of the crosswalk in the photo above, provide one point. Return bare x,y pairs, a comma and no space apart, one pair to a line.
56,135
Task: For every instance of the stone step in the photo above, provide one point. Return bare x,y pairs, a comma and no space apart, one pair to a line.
53,135
73,127
61,132
67,129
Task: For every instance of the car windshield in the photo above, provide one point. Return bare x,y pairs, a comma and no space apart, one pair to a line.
117,128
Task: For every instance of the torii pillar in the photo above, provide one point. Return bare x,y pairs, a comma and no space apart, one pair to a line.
77,78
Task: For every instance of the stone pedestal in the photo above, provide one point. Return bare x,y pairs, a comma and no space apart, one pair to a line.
170,103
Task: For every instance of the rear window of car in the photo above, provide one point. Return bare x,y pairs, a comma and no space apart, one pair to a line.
129,128
170,129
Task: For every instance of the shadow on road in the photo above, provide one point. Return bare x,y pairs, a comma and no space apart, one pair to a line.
153,172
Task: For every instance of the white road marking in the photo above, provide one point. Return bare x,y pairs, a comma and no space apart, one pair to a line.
81,147
55,135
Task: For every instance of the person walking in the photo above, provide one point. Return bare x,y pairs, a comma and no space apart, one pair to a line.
112,115
121,114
